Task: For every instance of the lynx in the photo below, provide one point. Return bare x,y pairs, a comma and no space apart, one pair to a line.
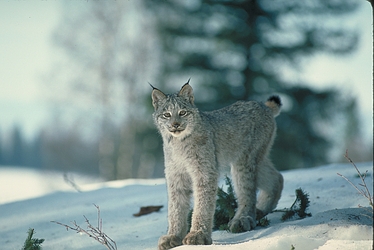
196,144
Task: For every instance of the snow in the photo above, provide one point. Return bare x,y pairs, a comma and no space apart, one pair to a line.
33,199
25,183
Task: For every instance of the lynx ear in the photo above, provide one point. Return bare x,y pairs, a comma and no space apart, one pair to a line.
187,92
157,96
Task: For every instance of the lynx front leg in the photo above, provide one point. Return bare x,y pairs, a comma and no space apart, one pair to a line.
179,194
244,178
205,190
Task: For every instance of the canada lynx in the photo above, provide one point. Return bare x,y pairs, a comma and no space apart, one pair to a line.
196,143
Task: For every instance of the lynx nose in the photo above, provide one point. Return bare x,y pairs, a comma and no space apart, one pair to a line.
175,125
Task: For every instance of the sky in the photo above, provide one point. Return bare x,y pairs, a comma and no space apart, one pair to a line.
25,55
27,52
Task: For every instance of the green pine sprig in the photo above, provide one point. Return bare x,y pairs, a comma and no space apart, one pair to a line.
299,206
32,243
226,206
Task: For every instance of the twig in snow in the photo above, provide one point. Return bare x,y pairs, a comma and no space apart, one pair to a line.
363,191
70,181
93,232
148,210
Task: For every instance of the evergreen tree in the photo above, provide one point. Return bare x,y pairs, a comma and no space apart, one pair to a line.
2,160
17,152
236,50
35,152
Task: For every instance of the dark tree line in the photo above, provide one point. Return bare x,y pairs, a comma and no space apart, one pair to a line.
16,150
61,152
237,50
232,50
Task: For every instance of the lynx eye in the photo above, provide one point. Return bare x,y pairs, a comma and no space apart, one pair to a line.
167,115
182,113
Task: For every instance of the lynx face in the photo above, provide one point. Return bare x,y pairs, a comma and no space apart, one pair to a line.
174,114
175,120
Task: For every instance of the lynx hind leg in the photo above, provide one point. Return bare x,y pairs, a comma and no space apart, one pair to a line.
244,180
270,183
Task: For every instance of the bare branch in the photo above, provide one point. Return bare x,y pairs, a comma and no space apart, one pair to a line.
364,192
70,181
92,232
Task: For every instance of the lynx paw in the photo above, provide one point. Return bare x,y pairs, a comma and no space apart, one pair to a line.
197,238
169,241
242,224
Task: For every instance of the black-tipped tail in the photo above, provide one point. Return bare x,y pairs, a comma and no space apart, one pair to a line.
274,103
276,99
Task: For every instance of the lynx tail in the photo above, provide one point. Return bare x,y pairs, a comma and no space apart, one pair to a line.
274,103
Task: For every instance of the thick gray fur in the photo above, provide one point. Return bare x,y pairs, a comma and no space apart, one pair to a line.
196,144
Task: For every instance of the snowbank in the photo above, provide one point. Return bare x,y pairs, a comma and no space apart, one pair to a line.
337,221
25,183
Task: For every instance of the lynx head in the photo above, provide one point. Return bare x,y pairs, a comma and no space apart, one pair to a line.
174,113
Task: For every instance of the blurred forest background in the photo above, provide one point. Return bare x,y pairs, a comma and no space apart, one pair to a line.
232,50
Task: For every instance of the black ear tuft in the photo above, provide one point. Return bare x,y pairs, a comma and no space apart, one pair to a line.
186,92
151,86
157,97
187,83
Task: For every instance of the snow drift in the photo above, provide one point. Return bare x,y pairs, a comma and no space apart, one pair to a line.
341,218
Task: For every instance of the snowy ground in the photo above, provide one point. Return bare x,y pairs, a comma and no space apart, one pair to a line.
337,221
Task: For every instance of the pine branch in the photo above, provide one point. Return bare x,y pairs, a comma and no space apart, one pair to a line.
298,207
32,243
226,206
263,222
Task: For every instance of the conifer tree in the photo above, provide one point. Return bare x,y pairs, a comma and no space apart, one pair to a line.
236,50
